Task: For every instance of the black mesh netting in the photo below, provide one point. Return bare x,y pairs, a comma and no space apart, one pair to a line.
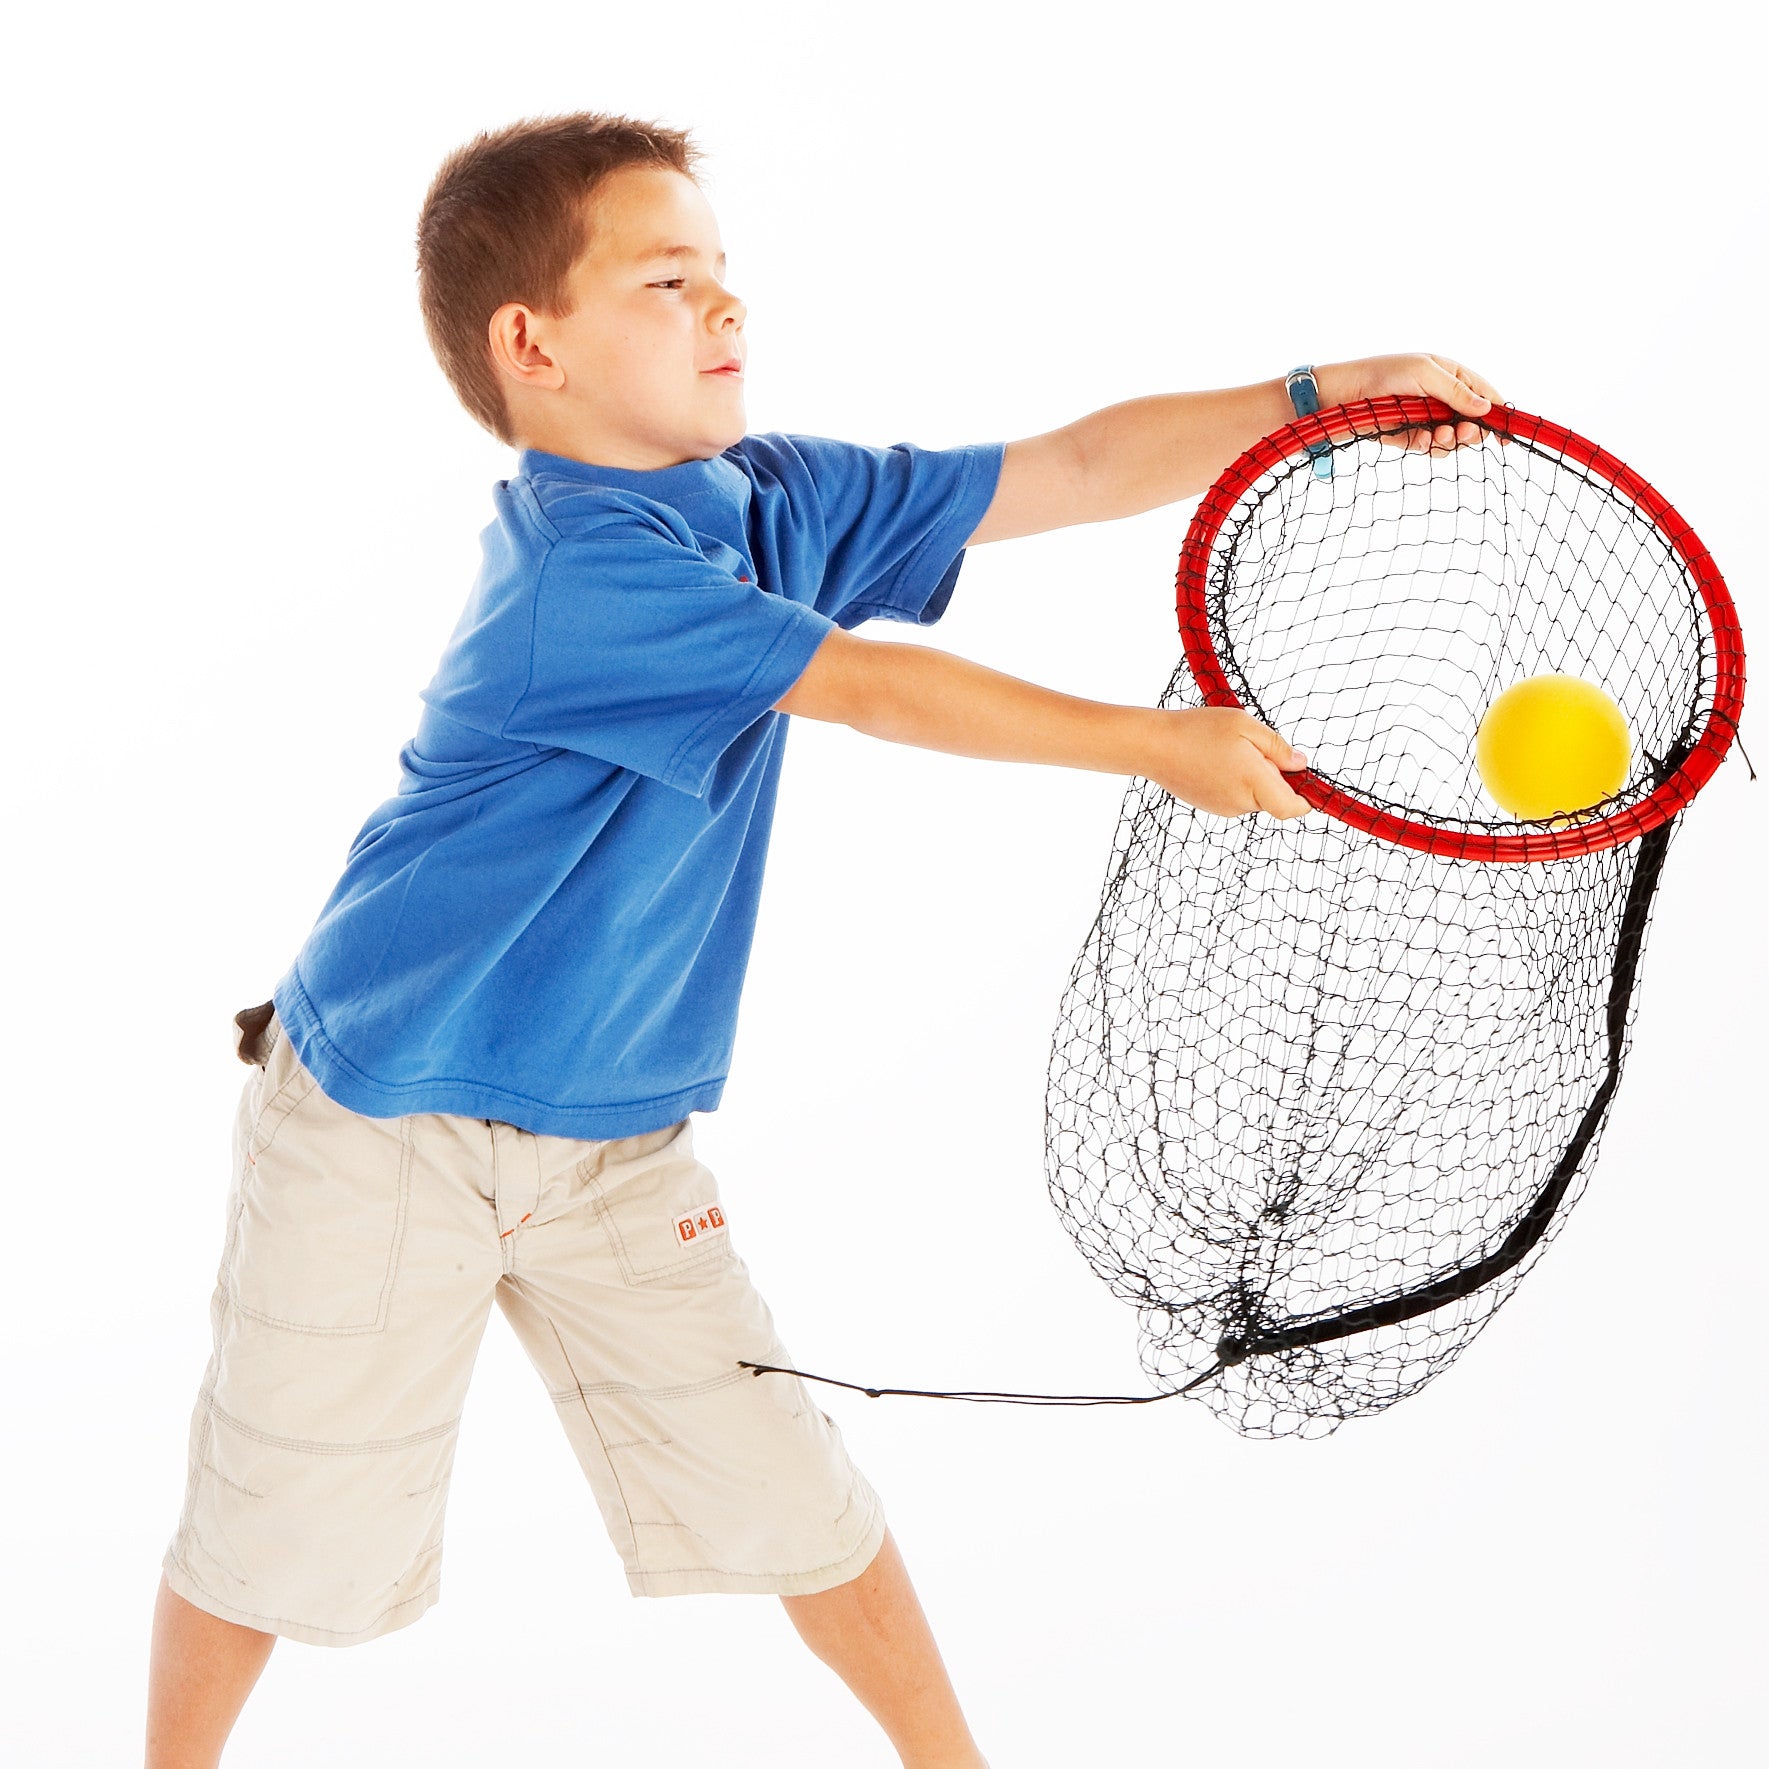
1316,1100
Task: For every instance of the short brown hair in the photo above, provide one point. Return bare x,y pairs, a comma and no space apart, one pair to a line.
505,219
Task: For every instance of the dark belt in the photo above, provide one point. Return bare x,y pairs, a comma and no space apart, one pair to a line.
252,1022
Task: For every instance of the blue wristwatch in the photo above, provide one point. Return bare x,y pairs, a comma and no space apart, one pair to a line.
1305,396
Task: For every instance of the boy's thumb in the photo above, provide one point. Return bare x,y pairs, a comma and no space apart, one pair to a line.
1472,401
1276,749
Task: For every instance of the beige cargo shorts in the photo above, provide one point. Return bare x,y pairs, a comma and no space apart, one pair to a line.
360,1262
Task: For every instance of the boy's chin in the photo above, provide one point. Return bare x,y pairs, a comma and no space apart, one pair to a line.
732,434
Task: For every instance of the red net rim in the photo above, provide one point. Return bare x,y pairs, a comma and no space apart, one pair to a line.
1342,423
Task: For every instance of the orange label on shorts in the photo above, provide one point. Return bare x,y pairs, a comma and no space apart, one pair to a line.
704,1221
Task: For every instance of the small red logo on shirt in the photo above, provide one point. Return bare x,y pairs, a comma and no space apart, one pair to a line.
708,1219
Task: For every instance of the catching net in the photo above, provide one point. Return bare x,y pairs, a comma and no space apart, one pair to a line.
1323,1091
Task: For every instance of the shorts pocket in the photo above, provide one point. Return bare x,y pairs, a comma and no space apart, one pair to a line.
324,1196
284,1085
662,1211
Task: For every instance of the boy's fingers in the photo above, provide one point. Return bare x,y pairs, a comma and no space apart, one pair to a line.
1443,440
1276,799
1461,388
1270,791
1482,386
1274,748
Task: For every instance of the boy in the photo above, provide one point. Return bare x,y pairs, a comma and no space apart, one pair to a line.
476,1079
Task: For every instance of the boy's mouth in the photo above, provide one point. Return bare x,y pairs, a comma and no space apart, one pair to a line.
733,368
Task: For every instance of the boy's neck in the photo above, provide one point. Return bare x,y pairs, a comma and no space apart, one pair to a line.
629,454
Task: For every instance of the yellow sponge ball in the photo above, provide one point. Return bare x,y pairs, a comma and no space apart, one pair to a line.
1552,745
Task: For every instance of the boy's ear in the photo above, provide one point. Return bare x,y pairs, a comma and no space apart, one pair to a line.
515,352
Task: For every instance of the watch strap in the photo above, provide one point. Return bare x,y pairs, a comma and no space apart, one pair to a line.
1305,397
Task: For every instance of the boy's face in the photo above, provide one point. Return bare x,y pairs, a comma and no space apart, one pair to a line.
633,369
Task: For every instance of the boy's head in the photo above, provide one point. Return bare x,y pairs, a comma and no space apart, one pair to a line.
555,308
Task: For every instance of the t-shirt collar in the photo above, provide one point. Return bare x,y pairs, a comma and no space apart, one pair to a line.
718,476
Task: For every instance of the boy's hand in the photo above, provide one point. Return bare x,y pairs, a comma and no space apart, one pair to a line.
1222,760
1373,377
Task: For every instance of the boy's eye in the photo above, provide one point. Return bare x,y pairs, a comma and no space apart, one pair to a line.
674,282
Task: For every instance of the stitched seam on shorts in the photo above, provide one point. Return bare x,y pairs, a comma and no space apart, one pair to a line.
584,1389
271,1320
725,1572
221,1303
295,1622
368,1447
407,1154
583,1400
199,1455
300,1079
210,1468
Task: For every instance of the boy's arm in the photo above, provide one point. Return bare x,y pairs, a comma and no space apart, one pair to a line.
1170,446
1217,758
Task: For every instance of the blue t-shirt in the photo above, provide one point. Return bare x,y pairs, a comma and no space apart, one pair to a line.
550,921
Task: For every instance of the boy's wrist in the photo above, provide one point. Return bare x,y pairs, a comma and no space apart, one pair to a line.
1139,734
1328,379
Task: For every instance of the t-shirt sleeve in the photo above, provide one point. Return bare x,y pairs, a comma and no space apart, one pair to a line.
895,522
651,657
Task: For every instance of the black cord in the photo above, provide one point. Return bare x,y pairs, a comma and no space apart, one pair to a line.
1044,1400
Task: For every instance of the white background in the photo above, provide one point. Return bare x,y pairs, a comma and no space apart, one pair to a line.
242,520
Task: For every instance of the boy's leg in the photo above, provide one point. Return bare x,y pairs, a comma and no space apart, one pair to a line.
625,1292
356,1278
872,1633
200,1671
